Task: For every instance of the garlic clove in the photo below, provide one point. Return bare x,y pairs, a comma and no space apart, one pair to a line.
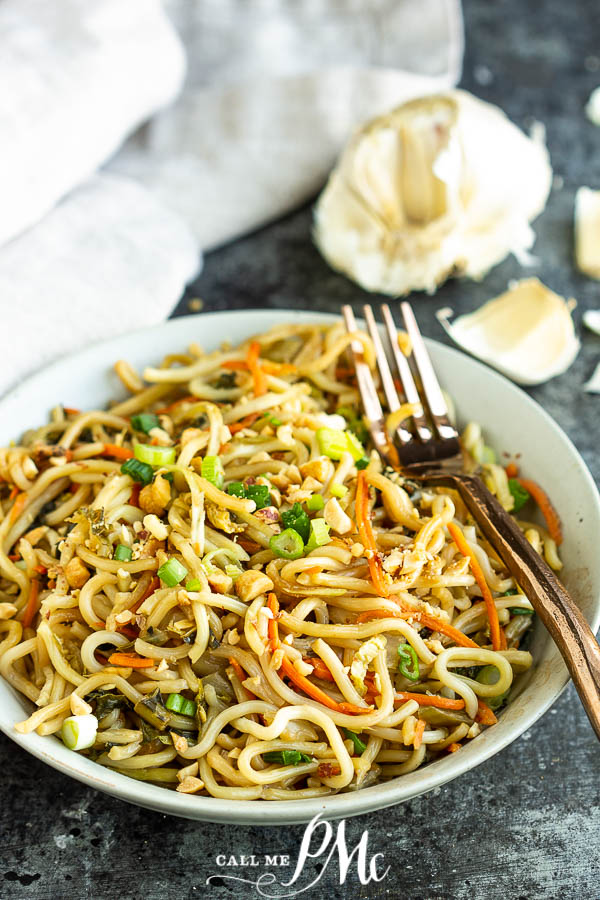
526,333
591,320
592,386
442,185
592,108
587,231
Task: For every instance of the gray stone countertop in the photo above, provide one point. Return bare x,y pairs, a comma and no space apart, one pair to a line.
525,824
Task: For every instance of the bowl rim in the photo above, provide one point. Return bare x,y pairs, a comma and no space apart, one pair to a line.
257,812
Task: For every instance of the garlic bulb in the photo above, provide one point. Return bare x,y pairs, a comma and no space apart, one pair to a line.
587,231
526,333
443,185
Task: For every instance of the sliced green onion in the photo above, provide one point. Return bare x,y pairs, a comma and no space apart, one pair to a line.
260,494
358,744
408,664
193,584
315,503
520,495
236,489
122,553
490,675
319,534
233,571
172,572
297,519
363,462
338,490
354,446
154,456
274,421
137,470
521,611
287,545
179,704
79,732
286,757
510,592
332,443
145,422
212,470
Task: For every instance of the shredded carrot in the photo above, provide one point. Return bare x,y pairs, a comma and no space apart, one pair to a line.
419,732
273,629
546,508
131,660
153,586
14,493
237,669
244,423
460,541
190,398
313,570
134,497
320,670
41,569
453,747
33,604
276,368
14,557
258,376
484,714
18,507
424,618
117,451
70,411
429,700
235,365
317,694
512,470
367,537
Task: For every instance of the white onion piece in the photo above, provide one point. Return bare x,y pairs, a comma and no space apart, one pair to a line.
79,732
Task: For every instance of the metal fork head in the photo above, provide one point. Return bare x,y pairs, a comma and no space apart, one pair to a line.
432,441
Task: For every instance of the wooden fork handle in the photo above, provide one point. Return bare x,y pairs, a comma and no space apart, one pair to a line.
555,607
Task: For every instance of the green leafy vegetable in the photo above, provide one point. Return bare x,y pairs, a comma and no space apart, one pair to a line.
520,495
297,519
286,757
358,744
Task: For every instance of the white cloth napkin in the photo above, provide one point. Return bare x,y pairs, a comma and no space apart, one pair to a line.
106,254
274,88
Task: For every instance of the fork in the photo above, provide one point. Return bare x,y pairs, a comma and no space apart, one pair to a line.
433,454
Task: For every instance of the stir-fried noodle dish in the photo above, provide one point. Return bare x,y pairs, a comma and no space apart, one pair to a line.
217,585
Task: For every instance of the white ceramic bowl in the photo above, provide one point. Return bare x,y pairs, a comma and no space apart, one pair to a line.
512,422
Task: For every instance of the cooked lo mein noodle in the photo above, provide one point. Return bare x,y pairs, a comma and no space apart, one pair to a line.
217,585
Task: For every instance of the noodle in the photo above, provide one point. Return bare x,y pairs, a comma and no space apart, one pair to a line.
258,672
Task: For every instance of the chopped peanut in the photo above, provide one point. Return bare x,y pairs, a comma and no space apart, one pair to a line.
155,497
336,518
220,581
190,785
156,528
321,468
76,573
249,585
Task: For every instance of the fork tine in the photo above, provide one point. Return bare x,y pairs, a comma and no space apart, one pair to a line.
368,391
384,369
431,388
383,365
406,376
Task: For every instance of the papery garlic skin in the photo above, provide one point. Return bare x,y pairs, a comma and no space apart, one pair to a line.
526,333
443,185
587,231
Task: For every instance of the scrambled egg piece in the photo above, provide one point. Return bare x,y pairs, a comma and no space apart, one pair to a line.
362,658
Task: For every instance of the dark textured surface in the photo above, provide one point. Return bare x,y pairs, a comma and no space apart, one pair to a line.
526,824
